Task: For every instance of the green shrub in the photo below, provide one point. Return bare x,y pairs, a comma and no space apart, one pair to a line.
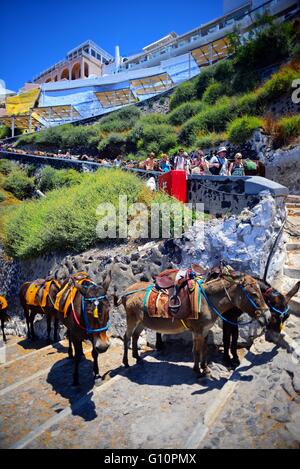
153,119
19,184
213,92
80,139
184,112
286,130
113,145
153,138
7,166
5,132
242,128
51,178
183,93
2,196
203,80
67,218
213,119
278,85
210,140
119,121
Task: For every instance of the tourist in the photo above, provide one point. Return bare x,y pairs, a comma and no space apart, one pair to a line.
181,162
218,165
118,161
164,165
150,162
237,167
199,165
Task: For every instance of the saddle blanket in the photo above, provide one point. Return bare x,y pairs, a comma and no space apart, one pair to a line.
3,303
38,292
67,294
157,302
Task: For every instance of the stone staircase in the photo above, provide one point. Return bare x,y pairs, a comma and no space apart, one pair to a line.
291,269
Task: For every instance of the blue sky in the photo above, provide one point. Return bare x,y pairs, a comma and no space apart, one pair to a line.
36,34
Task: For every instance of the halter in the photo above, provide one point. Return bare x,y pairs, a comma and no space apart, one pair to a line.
87,328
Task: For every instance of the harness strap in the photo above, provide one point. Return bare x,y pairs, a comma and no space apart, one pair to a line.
219,314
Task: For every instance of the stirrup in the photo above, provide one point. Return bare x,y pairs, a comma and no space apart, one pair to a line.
174,308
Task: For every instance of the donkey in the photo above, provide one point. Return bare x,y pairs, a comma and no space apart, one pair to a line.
278,305
4,317
31,311
87,318
223,292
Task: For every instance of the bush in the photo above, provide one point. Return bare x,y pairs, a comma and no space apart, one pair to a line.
286,130
184,112
278,85
203,80
67,218
213,119
19,184
51,178
7,167
242,128
153,119
213,92
2,196
183,93
210,140
153,138
5,132
81,139
113,145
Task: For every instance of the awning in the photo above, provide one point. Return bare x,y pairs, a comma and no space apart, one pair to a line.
21,121
153,84
22,103
57,113
212,52
116,97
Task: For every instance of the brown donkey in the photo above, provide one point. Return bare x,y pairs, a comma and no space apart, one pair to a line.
4,317
219,295
87,317
31,311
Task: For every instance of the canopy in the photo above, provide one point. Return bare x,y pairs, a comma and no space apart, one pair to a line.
22,103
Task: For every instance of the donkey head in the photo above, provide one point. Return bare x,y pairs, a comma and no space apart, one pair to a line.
95,311
278,304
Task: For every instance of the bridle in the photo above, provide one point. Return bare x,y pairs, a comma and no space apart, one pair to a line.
96,300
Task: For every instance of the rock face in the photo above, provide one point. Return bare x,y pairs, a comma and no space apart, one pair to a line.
244,241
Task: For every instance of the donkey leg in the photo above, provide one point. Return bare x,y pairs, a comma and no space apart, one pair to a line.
31,320
204,359
159,345
135,338
2,327
131,325
95,355
55,336
234,343
48,328
197,343
226,342
70,348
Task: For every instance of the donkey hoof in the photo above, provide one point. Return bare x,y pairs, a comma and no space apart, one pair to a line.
126,364
206,371
139,360
97,380
235,362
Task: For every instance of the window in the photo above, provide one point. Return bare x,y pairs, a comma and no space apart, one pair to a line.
93,53
98,56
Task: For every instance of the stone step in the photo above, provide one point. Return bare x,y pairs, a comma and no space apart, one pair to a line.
292,272
295,206
17,347
294,212
293,246
32,402
294,219
295,305
293,199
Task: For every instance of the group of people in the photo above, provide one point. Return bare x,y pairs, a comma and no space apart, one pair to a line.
197,163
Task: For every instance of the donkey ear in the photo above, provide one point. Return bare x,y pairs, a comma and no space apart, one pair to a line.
106,281
79,287
292,292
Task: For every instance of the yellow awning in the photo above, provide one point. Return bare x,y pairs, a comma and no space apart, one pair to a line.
22,103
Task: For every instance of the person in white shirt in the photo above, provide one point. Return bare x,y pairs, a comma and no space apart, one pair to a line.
218,165
181,162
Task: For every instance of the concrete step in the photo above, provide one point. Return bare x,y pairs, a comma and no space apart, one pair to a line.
294,212
293,206
17,347
294,220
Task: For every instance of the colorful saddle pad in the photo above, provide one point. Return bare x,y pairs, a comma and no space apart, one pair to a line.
38,292
3,303
67,294
157,302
